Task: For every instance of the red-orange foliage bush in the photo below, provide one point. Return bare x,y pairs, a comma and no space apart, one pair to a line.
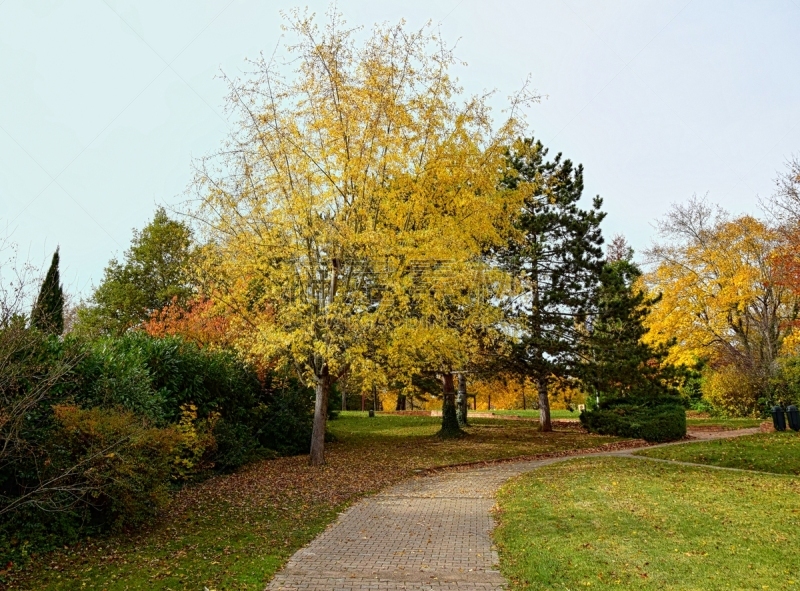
197,321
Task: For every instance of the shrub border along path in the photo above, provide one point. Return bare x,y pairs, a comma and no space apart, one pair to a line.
431,532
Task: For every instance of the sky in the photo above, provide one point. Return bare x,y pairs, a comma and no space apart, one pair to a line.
104,104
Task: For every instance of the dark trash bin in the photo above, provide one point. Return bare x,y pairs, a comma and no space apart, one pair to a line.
778,418
371,413
793,417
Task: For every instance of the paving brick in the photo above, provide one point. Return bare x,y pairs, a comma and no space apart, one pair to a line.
428,533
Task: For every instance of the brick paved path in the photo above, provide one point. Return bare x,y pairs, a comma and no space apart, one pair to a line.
428,533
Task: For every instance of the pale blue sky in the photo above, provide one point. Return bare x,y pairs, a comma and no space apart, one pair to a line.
104,103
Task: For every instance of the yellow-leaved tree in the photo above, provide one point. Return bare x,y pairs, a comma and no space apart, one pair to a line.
720,301
352,163
446,322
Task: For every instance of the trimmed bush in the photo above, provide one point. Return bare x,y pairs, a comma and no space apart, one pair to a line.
651,422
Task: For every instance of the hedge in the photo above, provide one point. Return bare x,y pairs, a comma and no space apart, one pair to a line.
656,422
117,423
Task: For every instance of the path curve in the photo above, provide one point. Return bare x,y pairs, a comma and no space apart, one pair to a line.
427,533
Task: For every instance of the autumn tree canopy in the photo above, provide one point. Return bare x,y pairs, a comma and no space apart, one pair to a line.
352,162
722,298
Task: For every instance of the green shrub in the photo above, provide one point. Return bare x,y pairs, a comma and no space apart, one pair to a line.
784,387
159,378
214,380
286,420
156,377
657,422
235,445
115,423
114,374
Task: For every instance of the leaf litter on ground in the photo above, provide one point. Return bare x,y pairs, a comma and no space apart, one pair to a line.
234,531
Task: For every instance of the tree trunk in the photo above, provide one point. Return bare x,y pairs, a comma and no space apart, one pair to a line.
450,426
344,398
461,401
320,418
401,402
544,405
524,402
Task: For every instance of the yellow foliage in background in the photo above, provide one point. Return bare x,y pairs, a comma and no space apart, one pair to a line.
731,391
791,343
506,393
722,301
501,393
714,287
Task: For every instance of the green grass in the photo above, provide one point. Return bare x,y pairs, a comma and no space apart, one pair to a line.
534,414
766,452
411,437
530,414
214,548
623,523
233,532
721,423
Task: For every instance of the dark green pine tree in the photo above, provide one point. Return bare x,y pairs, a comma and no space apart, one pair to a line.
48,312
620,364
556,256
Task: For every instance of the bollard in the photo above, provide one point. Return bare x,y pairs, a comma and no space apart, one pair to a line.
778,418
793,417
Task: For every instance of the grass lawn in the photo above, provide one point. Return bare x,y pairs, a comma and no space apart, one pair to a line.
767,452
720,423
534,414
623,523
528,414
692,419
233,532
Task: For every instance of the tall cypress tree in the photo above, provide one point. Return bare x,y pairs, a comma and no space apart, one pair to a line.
48,312
556,259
